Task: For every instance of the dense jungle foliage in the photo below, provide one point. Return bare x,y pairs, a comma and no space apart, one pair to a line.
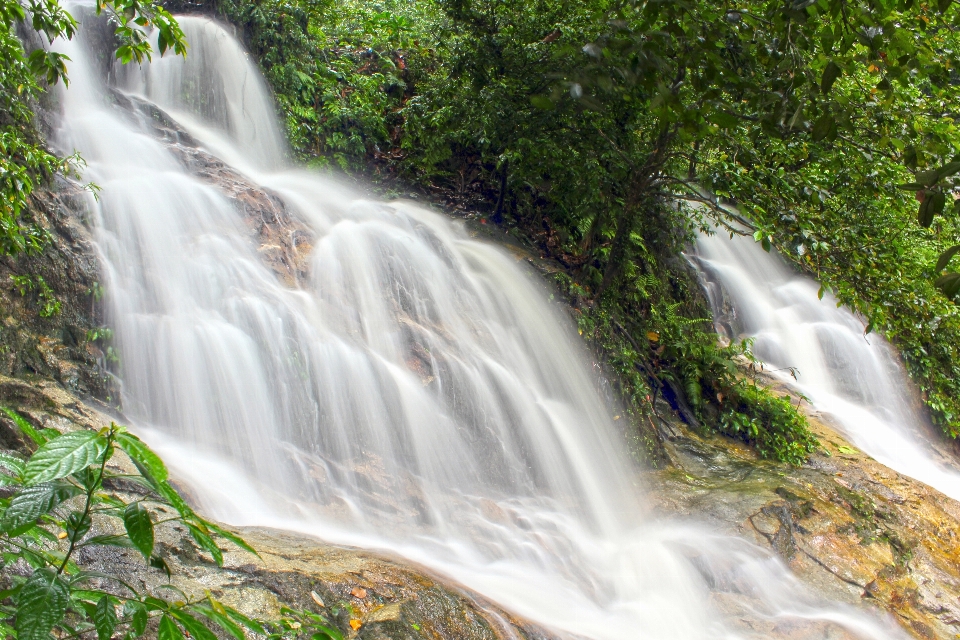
605,134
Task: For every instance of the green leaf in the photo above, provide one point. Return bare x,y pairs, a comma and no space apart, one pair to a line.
206,542
63,456
139,527
140,452
220,618
168,629
110,541
542,102
928,178
13,464
723,119
249,623
911,186
949,284
78,524
193,626
947,170
830,74
173,498
159,563
25,427
933,202
32,502
822,127
945,258
326,633
846,450
41,605
232,537
105,617
138,616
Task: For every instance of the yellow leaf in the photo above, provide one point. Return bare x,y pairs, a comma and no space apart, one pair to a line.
653,336
355,624
62,535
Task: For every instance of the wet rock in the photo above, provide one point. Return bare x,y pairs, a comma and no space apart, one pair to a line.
368,596
283,242
852,529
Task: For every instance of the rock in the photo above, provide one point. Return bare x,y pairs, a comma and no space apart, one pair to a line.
283,242
853,530
368,596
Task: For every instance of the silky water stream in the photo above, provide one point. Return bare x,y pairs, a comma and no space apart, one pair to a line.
409,389
821,350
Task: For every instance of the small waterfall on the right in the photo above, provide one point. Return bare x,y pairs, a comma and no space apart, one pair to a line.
854,379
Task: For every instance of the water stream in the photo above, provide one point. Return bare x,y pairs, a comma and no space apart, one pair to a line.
405,388
856,380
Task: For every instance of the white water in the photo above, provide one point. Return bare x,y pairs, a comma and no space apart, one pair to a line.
416,392
854,378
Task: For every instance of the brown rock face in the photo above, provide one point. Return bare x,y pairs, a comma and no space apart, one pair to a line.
852,529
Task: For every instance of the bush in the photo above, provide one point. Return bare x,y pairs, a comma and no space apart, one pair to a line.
55,504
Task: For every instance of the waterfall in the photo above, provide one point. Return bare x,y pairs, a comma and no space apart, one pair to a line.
820,348
365,372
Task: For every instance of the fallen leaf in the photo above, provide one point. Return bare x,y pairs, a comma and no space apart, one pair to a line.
653,336
358,592
846,450
355,624
317,599
62,535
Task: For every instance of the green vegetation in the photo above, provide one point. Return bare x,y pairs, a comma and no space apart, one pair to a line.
580,126
604,134
47,302
63,499
25,161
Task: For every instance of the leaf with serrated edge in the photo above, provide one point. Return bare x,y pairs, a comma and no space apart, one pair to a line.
63,456
105,618
193,626
168,629
232,537
219,619
206,543
32,502
139,451
12,464
41,605
139,527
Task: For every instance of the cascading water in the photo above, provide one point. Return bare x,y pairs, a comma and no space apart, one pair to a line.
403,387
853,378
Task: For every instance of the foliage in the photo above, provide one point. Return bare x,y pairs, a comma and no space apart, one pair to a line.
680,360
46,300
63,499
474,102
772,424
340,71
24,160
56,504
